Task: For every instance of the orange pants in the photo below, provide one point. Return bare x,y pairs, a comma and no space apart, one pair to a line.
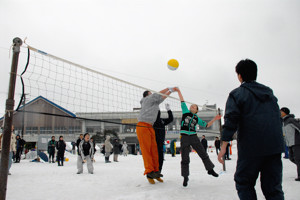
148,146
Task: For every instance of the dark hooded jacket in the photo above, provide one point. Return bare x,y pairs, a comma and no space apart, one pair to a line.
159,126
252,111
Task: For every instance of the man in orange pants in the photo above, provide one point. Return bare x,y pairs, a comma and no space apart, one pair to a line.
146,134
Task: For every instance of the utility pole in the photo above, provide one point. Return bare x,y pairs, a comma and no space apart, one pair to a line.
17,43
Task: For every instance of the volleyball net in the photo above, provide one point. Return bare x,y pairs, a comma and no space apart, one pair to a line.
82,92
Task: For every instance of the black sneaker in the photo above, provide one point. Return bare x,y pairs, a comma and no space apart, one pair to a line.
185,181
213,173
297,179
152,175
158,174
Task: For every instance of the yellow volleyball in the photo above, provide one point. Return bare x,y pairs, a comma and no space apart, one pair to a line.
67,159
173,64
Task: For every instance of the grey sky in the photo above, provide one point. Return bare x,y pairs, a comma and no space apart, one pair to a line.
134,39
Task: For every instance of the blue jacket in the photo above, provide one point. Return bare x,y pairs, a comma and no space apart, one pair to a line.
252,111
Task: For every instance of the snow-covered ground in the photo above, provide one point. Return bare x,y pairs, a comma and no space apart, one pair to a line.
125,180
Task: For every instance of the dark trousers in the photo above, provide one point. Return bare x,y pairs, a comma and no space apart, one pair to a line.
186,143
60,158
51,155
227,153
270,169
160,149
18,154
217,150
294,155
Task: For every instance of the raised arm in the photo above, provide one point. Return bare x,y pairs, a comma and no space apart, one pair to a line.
218,117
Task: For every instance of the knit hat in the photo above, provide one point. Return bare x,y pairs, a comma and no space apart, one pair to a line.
285,110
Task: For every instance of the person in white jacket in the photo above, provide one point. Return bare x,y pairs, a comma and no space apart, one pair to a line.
108,148
86,155
12,148
125,149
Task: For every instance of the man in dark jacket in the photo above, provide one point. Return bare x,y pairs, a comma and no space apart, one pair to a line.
252,111
160,133
61,147
19,145
51,149
291,129
116,149
217,145
204,143
78,142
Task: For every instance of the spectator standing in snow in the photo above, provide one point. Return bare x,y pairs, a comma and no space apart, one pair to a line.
19,145
116,150
252,111
173,147
125,149
86,155
78,142
204,143
108,148
51,149
217,145
160,133
61,147
291,130
189,138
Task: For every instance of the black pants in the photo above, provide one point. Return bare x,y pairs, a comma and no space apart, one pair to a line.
51,155
294,155
217,150
270,169
60,158
18,154
186,143
160,149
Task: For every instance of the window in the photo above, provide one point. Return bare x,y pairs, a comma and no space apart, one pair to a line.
45,130
60,130
74,129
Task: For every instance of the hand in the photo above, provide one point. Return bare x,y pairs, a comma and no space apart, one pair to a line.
167,106
176,89
221,155
84,161
218,117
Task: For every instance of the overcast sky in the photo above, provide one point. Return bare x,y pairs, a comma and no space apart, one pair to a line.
134,39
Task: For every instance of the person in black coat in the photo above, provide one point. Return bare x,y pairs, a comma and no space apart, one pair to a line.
116,149
204,143
78,142
160,133
253,112
217,145
61,147
20,145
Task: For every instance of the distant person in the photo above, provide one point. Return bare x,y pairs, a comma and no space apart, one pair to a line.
73,147
78,142
291,129
108,149
189,138
86,155
252,111
51,149
160,133
116,149
19,146
12,148
125,149
173,147
94,144
146,134
227,153
61,148
217,145
204,143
